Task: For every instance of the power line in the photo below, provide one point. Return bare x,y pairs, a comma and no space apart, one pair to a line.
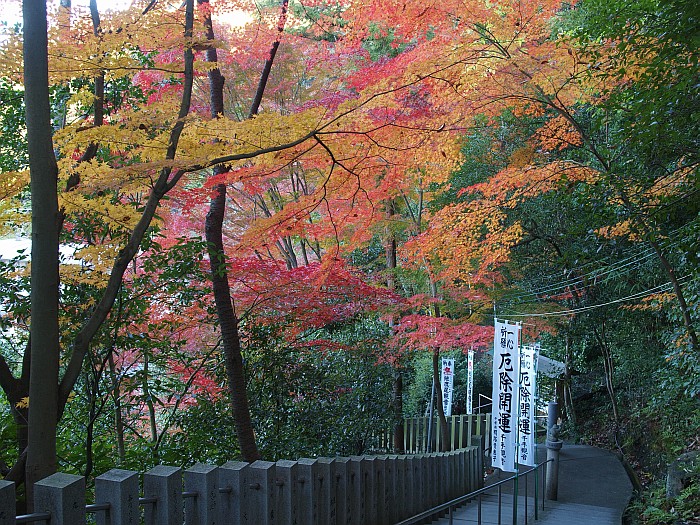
597,274
639,295
580,280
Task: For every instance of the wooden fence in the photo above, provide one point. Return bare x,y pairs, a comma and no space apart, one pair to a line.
359,490
462,430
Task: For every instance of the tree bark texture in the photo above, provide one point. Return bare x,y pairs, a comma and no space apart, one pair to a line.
44,331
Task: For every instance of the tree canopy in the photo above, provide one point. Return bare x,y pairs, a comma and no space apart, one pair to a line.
275,207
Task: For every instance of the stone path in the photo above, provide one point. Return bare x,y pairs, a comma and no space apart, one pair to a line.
593,490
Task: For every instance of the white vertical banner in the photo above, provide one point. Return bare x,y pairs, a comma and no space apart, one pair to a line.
506,372
447,381
526,406
470,382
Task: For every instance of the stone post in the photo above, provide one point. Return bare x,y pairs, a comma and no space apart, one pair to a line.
326,497
356,508
7,503
63,496
119,488
415,494
164,484
233,480
285,492
392,495
261,483
340,489
554,445
379,490
307,498
368,488
203,509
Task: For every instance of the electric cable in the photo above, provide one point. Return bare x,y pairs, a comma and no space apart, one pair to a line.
638,295
598,274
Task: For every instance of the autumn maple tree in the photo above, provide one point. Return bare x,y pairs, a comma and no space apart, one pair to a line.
262,189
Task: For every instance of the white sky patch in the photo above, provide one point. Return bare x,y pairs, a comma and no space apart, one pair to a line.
11,12
22,247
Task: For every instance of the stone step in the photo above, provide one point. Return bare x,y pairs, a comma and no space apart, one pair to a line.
577,514
469,513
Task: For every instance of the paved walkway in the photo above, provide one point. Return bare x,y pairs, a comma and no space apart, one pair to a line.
593,490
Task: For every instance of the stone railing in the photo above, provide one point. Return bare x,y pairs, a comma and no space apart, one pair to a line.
359,490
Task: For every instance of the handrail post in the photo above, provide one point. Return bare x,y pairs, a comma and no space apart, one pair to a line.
537,472
165,484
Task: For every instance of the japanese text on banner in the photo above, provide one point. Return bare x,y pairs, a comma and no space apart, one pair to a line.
470,382
526,410
447,382
506,371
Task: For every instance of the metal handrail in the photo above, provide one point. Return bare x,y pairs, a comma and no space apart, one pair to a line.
98,507
450,505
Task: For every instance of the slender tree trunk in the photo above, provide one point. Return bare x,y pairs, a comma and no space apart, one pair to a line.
152,423
568,401
228,324
678,290
609,369
262,84
116,396
21,419
91,386
391,264
16,390
45,351
445,433
167,179
228,321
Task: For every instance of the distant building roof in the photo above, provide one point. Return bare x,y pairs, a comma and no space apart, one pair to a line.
550,367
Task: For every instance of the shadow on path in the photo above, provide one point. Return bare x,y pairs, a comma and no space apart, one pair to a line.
593,490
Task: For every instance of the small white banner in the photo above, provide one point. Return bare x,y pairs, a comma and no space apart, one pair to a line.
470,382
526,402
506,371
447,382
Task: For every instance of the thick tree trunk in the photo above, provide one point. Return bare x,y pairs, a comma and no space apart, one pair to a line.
43,410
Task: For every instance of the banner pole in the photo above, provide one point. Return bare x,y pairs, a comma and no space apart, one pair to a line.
517,442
